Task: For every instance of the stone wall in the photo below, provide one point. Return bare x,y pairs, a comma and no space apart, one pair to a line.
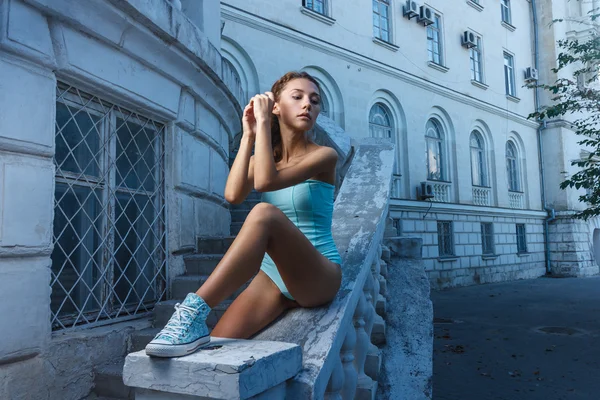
468,265
572,247
143,57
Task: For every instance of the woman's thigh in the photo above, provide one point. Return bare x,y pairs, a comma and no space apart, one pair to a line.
256,307
311,278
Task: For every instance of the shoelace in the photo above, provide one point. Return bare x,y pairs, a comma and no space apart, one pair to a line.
175,327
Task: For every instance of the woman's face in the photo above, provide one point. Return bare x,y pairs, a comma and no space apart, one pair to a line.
298,105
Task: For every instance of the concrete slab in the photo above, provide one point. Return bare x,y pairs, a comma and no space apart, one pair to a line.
227,369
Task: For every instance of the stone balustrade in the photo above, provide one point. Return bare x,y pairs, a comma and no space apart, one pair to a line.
339,357
482,196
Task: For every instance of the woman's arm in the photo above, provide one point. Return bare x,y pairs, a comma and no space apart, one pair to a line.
240,181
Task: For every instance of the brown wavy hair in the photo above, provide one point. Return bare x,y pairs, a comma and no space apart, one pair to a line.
276,89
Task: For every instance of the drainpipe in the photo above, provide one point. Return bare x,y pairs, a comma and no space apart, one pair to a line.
551,214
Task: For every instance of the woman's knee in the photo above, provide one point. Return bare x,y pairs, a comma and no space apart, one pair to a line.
264,213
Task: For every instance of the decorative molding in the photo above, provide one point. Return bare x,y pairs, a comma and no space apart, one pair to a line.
448,259
318,16
240,16
476,6
513,98
508,26
480,85
463,209
385,44
437,66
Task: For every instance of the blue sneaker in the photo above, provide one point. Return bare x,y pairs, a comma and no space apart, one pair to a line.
185,332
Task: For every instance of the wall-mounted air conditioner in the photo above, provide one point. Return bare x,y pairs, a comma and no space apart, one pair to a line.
425,191
411,9
531,74
426,16
469,39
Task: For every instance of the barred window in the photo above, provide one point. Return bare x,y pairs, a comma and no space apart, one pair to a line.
521,239
381,19
445,238
487,238
109,255
315,5
475,54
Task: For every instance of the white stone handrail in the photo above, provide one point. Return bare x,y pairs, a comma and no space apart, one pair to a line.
516,199
482,196
336,341
317,353
441,191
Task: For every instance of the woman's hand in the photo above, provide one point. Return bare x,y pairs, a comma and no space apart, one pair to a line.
263,107
248,121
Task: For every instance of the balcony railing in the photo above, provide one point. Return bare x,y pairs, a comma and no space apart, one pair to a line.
482,196
396,187
441,191
516,199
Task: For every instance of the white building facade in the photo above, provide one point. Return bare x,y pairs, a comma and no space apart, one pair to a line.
447,85
115,123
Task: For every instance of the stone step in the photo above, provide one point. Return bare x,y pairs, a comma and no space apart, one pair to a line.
164,309
245,205
236,227
108,382
239,215
184,284
139,339
201,264
213,245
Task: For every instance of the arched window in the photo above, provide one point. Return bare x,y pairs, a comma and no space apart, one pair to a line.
434,136
478,160
512,167
325,106
380,122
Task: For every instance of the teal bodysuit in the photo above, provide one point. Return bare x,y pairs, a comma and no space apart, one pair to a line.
309,205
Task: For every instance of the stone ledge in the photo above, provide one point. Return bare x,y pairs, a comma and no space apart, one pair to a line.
227,369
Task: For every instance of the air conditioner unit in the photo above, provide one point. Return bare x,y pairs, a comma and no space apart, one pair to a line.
411,9
425,191
426,16
469,39
531,74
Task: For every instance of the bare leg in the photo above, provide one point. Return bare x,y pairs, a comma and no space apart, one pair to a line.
257,306
309,276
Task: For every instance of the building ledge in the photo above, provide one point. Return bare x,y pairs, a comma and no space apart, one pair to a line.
476,6
513,98
480,85
385,44
488,257
523,254
437,66
318,16
448,259
508,26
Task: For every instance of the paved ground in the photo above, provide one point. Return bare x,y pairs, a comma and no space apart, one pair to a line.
488,343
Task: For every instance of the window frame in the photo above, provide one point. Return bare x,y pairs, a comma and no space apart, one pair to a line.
505,11
432,44
446,245
324,4
513,168
388,6
488,243
387,114
521,238
439,143
482,160
476,66
510,85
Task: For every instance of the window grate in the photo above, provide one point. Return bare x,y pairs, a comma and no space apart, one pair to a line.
521,238
109,256
445,238
487,238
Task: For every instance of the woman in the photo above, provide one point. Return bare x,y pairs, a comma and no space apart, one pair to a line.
287,235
